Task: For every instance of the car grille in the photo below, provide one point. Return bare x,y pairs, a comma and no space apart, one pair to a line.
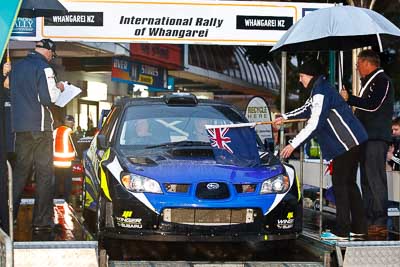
176,188
208,216
212,190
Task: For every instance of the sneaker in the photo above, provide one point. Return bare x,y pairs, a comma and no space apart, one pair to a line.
332,236
356,234
329,242
357,237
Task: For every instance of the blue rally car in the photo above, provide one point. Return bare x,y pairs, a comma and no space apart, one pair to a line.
150,174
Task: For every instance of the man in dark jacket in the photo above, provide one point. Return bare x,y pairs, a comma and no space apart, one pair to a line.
374,108
33,90
339,134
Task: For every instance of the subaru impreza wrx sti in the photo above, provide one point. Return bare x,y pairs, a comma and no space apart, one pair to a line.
150,174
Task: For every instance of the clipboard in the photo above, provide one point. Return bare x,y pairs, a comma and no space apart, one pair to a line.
69,93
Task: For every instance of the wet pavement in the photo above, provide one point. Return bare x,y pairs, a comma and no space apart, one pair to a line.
66,224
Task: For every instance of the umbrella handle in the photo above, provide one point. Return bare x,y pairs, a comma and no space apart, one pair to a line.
8,54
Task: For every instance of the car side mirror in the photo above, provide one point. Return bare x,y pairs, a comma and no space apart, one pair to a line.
101,141
269,144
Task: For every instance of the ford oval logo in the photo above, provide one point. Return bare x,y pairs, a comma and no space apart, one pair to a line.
212,186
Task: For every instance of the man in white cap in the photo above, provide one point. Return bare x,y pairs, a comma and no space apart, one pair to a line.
33,90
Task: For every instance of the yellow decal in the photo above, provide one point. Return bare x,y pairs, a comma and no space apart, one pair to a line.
127,214
88,200
103,180
289,215
265,237
88,180
298,188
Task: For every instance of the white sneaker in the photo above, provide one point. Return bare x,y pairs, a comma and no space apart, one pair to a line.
332,236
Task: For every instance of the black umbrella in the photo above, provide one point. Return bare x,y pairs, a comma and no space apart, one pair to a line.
41,8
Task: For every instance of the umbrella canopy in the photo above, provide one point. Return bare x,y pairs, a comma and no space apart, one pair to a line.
338,28
41,8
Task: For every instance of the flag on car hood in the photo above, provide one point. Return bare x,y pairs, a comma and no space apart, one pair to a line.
234,144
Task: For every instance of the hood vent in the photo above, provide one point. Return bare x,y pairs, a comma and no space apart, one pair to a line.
142,161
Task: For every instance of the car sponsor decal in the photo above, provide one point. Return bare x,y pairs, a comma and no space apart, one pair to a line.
286,223
279,197
129,222
127,214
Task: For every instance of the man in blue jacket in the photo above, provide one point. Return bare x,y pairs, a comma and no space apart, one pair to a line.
374,108
33,90
339,134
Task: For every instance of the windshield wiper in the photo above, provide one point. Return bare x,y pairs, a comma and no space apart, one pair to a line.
181,143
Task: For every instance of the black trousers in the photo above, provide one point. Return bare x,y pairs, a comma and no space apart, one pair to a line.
63,180
350,215
374,181
35,149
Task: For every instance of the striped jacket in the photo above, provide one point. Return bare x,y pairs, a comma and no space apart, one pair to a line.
330,119
33,90
374,105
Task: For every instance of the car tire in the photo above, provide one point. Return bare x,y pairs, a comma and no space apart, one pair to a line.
100,215
89,218
83,196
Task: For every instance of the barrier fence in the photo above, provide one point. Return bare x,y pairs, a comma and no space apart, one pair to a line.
5,249
6,241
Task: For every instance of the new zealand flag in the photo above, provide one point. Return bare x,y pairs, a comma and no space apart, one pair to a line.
234,144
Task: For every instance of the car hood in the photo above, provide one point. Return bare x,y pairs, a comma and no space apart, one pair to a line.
186,167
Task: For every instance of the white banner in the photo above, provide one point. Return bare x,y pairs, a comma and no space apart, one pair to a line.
189,22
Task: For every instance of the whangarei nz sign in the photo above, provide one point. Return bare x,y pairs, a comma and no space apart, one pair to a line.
200,22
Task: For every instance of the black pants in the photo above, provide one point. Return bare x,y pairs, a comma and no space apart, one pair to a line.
35,149
63,184
374,181
350,215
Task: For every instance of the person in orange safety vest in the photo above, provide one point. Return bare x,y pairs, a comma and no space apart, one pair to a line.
64,154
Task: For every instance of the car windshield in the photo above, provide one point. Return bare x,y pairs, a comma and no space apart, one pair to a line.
145,127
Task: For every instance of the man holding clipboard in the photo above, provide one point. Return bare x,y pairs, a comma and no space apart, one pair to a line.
33,90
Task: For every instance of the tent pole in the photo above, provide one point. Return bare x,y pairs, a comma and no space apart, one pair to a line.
355,78
341,70
283,97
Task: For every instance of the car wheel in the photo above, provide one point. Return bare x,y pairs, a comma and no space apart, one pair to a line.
89,216
83,196
100,215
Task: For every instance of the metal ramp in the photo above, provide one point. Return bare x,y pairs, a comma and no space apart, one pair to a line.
368,253
56,253
211,264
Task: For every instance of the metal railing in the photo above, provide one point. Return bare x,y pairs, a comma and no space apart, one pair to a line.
6,245
5,250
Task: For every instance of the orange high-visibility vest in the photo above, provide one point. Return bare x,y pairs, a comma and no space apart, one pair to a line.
64,150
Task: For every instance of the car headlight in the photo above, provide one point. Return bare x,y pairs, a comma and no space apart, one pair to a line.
140,184
276,185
